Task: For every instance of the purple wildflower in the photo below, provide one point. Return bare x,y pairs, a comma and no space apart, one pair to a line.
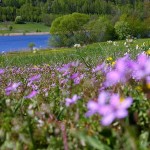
35,87
104,68
98,67
148,82
12,87
113,77
72,100
32,94
117,109
77,80
121,73
63,81
2,71
110,107
95,106
75,64
142,67
92,108
34,78
64,68
75,75
122,64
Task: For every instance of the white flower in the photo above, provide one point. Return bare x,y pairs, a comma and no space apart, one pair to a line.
115,44
34,51
109,42
137,47
40,123
143,44
77,45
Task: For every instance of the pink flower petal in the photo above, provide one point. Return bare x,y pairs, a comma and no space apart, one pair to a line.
32,94
121,113
108,119
126,103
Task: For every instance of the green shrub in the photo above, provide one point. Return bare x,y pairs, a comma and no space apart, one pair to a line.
147,26
122,29
10,28
100,29
66,29
19,20
81,28
138,27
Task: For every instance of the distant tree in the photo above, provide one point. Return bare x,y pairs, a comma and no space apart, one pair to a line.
32,10
68,26
147,23
138,26
100,29
31,45
47,19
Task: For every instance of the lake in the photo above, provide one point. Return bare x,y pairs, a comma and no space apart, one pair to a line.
21,42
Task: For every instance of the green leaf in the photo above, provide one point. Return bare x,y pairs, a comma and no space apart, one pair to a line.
92,141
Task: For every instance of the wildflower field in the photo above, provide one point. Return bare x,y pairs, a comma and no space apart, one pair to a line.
95,97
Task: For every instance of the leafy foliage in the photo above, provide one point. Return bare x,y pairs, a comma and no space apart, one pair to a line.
34,10
68,27
19,20
122,29
69,23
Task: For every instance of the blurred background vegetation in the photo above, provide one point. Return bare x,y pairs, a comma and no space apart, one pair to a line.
77,21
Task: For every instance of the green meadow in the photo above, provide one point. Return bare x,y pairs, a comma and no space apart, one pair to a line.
92,53
93,97
90,89
22,28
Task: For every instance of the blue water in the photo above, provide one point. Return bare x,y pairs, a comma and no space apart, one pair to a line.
21,42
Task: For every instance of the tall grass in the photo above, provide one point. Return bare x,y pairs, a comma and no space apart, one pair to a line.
46,104
92,53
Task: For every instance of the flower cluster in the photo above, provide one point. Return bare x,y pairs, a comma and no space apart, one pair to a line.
75,80
72,100
125,69
109,106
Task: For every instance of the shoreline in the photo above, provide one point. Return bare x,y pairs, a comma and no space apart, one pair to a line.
28,33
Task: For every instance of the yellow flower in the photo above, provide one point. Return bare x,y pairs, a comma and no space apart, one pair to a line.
121,99
138,88
148,52
36,67
148,85
48,65
113,63
109,59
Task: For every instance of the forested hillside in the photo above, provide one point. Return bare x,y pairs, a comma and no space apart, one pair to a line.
39,10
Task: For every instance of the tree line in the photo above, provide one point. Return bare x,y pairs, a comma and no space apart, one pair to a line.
42,10
70,29
82,21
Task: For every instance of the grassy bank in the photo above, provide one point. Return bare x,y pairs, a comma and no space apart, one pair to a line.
93,53
22,28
